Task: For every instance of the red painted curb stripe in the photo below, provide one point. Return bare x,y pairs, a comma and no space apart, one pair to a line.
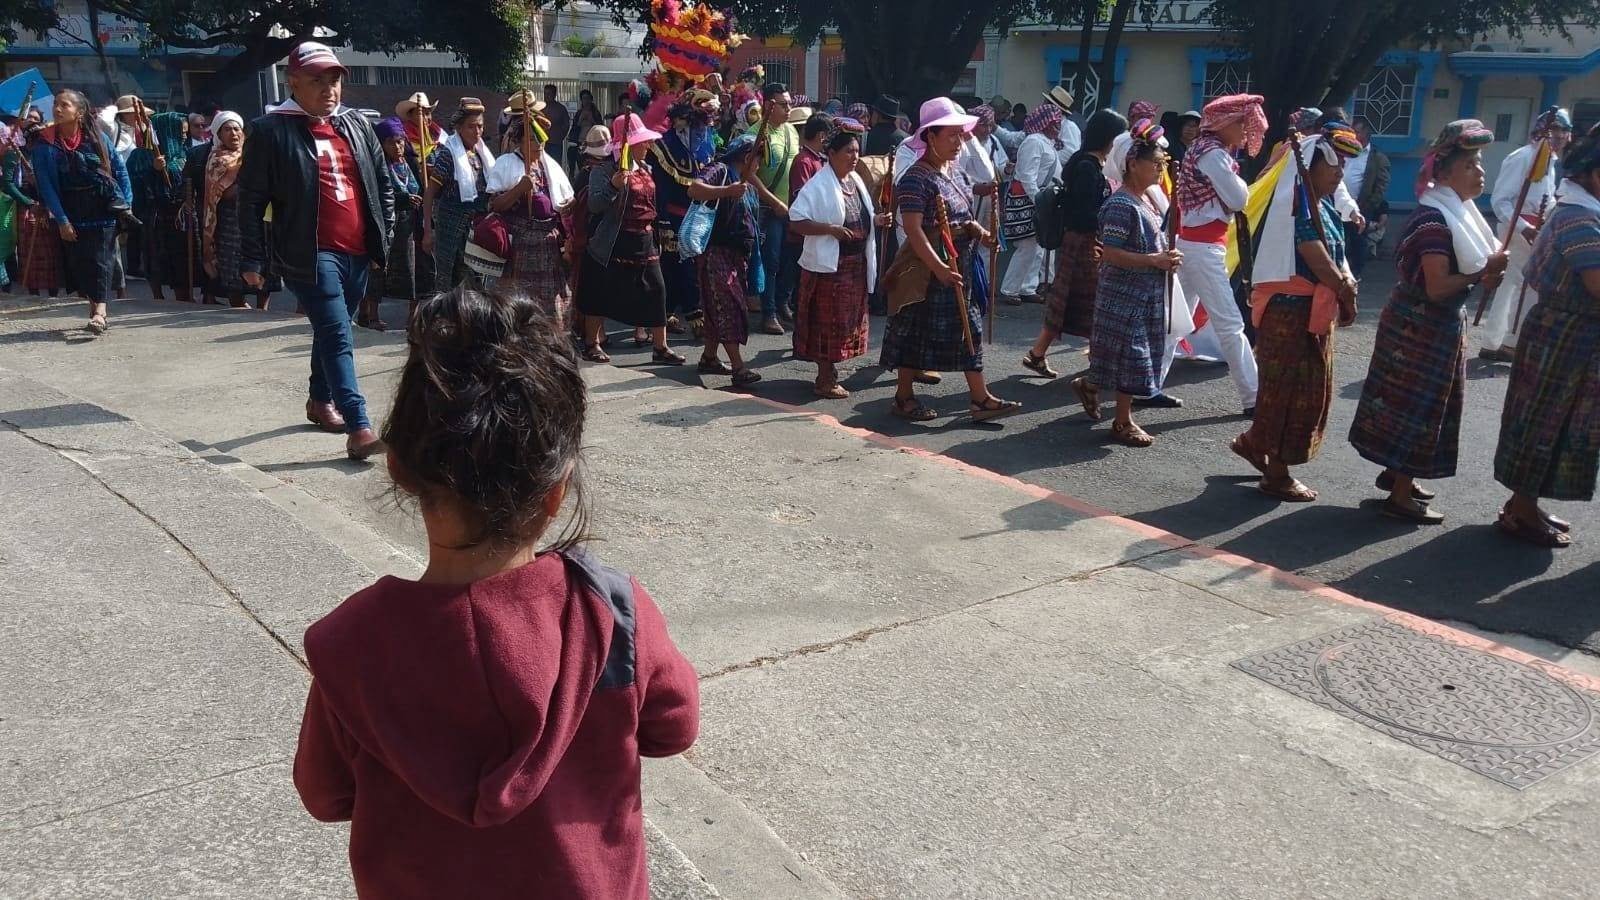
1184,545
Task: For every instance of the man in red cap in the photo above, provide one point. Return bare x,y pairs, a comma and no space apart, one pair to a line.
313,146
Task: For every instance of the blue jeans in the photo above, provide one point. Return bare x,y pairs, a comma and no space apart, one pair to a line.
329,303
772,228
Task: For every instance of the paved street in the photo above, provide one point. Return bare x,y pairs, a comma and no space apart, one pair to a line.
920,678
1190,484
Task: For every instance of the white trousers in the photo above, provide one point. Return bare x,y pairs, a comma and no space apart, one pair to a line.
1025,270
1497,322
1204,276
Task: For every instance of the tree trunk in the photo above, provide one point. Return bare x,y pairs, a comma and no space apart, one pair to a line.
908,49
258,53
100,50
1108,51
1090,11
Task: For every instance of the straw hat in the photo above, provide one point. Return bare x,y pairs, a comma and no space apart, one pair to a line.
520,99
1061,97
800,114
125,103
416,101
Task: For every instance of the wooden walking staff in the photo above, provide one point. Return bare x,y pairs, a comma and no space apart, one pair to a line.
942,215
1522,292
1172,235
994,264
1536,172
147,137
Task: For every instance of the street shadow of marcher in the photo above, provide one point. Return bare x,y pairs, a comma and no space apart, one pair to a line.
1315,533
64,414
73,335
1227,502
1462,574
1565,610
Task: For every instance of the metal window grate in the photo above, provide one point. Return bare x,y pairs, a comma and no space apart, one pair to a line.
1228,76
1387,99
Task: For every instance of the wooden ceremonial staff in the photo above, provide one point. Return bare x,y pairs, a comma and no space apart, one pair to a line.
147,136
1541,162
191,234
1522,293
1172,233
994,261
33,247
527,143
943,218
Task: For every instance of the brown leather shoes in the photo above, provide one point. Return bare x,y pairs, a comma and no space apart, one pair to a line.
324,416
363,444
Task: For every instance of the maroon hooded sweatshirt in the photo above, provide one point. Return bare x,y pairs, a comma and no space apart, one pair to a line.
484,740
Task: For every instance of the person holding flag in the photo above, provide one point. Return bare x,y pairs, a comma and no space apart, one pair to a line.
1303,287
1527,176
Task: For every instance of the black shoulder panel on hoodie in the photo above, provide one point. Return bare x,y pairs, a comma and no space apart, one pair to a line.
616,587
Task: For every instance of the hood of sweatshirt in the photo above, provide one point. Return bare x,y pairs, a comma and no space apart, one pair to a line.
470,694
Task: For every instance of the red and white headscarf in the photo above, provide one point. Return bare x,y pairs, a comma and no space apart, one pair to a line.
1225,111
1046,120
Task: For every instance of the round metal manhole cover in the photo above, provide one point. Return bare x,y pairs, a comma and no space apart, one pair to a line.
1433,689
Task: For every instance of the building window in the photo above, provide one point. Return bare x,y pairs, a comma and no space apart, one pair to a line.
834,83
1585,115
779,70
1226,76
1387,99
406,76
1085,96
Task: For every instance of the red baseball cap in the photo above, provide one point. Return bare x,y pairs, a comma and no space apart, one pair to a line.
312,57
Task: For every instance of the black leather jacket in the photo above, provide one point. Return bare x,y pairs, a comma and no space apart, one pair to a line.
280,168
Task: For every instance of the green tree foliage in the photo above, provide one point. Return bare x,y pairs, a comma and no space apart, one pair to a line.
1317,52
486,34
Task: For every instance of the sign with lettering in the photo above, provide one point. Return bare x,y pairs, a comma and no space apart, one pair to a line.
1177,15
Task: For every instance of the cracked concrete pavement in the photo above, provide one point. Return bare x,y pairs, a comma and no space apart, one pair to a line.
919,679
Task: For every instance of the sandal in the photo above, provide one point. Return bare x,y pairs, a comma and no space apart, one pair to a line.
641,340
594,354
927,378
1131,436
1558,523
1242,449
1038,364
1385,483
1088,397
992,407
664,356
1293,492
97,325
710,365
674,326
1550,537
833,391
1419,514
745,377
912,410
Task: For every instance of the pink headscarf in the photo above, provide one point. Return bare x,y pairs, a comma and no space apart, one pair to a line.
985,114
1046,120
1142,109
1224,111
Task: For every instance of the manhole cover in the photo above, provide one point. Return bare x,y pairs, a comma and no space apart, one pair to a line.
1499,718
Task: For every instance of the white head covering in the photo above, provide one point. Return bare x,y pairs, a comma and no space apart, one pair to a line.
223,118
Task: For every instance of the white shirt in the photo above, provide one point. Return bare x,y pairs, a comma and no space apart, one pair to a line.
1508,184
1071,140
1009,139
1037,163
1355,171
1231,190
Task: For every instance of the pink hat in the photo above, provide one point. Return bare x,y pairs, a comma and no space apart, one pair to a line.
311,57
938,113
633,127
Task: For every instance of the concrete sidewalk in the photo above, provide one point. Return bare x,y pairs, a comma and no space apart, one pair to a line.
919,679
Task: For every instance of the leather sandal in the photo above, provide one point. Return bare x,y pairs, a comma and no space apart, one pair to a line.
1242,449
912,410
1039,365
1089,397
1419,514
1293,492
1550,537
1131,435
594,354
1385,483
992,407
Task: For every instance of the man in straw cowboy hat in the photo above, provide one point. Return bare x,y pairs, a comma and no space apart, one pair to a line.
1071,138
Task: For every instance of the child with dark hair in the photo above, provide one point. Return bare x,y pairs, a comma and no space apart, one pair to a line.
481,727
